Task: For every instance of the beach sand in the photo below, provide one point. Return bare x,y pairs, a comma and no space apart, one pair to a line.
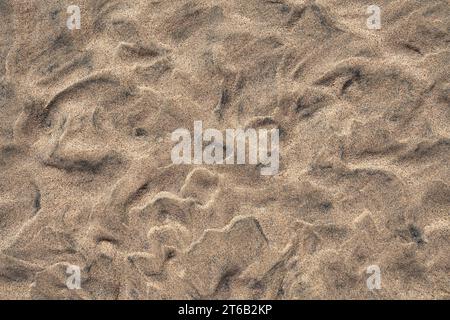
87,180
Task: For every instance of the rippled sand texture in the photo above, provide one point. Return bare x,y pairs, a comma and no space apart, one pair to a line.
86,177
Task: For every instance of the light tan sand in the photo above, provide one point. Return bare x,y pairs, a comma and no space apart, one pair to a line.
86,177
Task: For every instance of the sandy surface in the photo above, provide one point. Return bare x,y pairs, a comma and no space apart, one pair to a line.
86,177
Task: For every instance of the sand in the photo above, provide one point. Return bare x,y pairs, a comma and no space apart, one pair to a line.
86,177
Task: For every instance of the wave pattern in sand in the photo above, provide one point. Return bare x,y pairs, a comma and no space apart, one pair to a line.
85,171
